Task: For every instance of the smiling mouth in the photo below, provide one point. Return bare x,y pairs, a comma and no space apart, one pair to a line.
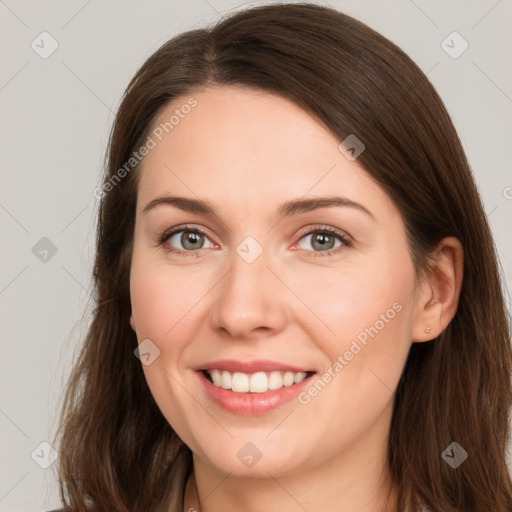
259,382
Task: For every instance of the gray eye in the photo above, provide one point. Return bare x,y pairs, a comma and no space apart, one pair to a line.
321,241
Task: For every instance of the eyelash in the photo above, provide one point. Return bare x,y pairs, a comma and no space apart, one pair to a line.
346,242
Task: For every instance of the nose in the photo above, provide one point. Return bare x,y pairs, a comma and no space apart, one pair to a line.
251,301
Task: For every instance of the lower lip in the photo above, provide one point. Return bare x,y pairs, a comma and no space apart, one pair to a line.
251,404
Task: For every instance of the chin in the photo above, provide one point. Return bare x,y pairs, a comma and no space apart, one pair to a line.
240,457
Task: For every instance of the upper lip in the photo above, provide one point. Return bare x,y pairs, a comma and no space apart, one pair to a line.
255,366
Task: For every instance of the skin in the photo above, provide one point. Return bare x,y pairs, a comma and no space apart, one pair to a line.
246,152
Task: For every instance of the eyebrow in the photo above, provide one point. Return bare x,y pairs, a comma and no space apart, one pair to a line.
287,209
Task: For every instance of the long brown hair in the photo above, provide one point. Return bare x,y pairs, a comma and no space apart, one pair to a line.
117,451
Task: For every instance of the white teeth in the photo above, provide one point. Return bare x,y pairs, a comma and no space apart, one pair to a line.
288,379
258,382
240,382
226,380
299,377
215,375
275,380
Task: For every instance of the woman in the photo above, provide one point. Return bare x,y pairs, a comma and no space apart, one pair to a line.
298,304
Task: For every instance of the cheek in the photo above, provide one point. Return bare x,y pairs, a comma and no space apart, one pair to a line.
166,301
161,297
160,302
344,301
365,319
152,303
363,364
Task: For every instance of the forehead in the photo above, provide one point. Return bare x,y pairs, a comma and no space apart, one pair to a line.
237,143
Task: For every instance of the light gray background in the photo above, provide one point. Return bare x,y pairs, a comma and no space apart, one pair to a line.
56,117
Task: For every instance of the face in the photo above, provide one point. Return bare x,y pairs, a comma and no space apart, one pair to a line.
300,313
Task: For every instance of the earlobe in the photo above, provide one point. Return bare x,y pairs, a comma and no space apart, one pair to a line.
439,293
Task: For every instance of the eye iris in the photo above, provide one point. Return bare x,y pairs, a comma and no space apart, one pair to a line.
326,241
192,238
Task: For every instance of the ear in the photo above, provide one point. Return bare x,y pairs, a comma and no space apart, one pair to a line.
132,322
439,291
